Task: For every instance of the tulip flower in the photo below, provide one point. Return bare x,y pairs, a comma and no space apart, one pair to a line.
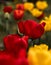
7,9
14,44
41,5
37,13
39,55
28,6
18,14
31,28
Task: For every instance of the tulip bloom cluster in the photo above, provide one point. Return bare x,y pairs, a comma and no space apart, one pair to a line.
17,13
29,27
15,52
36,12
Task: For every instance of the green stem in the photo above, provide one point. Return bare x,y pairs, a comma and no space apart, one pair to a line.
7,26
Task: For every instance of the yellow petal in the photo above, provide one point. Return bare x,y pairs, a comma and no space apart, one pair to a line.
28,6
41,5
35,12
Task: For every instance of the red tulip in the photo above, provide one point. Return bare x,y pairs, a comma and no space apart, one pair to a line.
31,28
6,59
22,53
14,43
7,9
21,61
18,14
20,6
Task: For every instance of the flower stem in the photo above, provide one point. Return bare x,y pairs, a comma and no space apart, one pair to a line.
7,26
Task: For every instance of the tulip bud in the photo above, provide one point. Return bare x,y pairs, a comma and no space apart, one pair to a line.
7,15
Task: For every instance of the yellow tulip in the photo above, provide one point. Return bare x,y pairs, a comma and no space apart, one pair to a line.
41,5
39,55
48,23
32,57
35,12
42,46
28,6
